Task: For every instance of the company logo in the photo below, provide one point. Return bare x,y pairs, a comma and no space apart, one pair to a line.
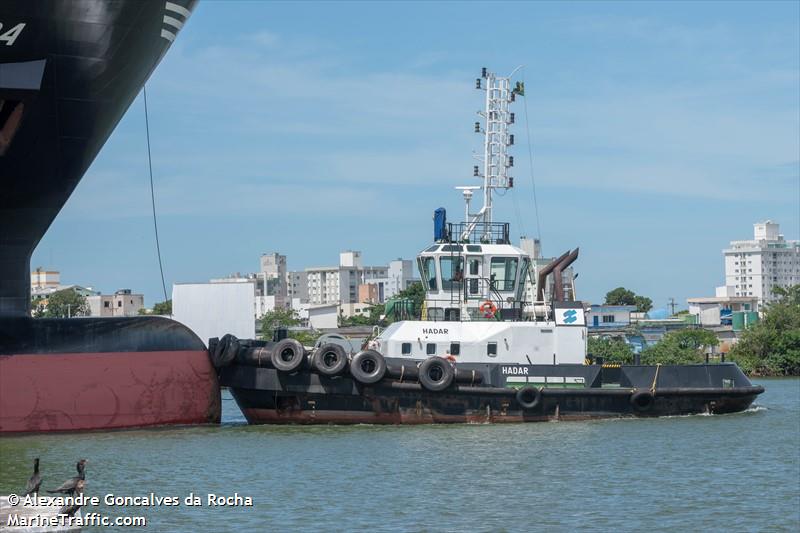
569,316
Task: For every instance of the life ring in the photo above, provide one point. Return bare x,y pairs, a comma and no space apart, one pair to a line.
488,309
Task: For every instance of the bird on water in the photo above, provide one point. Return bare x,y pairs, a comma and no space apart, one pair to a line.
69,486
70,510
35,480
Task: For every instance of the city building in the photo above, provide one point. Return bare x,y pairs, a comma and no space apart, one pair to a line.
755,267
609,316
340,284
45,279
122,303
297,286
719,310
368,293
273,290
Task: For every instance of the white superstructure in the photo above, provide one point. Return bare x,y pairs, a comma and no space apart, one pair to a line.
477,308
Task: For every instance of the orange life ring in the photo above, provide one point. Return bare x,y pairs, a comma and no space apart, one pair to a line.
488,309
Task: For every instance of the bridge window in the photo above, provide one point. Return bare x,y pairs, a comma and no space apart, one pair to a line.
405,348
504,273
455,348
452,272
427,268
430,349
491,349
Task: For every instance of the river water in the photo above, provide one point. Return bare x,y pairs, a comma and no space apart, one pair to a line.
732,472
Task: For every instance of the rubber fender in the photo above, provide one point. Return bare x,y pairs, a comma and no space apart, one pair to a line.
436,374
529,397
329,359
642,400
368,366
288,355
225,351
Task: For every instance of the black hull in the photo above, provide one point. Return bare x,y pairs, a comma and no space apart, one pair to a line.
66,78
266,396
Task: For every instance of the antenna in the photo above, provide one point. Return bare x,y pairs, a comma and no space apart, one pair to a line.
496,140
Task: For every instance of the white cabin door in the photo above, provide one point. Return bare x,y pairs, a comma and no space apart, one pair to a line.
474,273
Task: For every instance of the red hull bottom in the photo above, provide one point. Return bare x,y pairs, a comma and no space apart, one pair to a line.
97,391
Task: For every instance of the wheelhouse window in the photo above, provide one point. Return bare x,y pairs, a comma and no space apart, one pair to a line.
491,349
504,273
430,349
455,348
523,279
452,272
427,267
405,348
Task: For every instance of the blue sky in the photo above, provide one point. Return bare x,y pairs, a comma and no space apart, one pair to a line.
660,131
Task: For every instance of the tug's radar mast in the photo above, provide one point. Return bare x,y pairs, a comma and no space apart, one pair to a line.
496,173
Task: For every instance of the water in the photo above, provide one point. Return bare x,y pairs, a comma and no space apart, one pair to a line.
733,472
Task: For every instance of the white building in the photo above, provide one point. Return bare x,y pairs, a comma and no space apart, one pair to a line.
712,311
339,284
214,309
754,267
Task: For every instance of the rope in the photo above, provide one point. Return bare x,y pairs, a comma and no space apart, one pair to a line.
530,164
655,378
153,194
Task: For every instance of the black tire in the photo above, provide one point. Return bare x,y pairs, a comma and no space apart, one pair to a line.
225,351
329,359
642,400
367,367
436,374
288,355
529,397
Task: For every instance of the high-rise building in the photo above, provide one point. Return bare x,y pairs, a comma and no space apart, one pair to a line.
340,284
754,267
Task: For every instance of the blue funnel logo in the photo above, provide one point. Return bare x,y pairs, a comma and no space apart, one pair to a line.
569,316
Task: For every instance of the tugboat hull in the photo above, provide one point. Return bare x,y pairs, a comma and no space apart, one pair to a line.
266,396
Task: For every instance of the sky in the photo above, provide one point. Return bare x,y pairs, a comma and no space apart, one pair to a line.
659,132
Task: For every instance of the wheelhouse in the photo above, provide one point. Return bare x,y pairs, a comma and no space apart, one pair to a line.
474,278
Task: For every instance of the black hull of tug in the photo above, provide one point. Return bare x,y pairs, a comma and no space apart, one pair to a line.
267,396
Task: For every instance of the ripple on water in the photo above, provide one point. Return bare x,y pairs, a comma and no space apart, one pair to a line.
737,472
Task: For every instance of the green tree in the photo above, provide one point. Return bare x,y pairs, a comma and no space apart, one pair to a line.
771,346
163,308
66,303
643,303
613,350
683,347
623,296
620,296
279,318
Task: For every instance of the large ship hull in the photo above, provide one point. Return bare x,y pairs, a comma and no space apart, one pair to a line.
267,396
69,69
89,374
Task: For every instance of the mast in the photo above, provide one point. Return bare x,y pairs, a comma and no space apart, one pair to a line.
496,174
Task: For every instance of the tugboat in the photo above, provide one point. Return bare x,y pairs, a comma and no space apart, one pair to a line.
479,352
